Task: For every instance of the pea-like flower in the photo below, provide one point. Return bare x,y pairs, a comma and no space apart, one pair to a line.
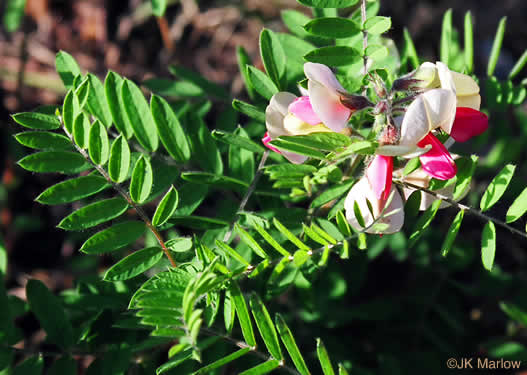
288,114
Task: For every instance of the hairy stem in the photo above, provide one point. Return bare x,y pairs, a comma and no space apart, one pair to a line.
461,206
364,34
245,199
125,195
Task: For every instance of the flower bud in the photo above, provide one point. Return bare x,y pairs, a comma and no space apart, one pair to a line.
354,102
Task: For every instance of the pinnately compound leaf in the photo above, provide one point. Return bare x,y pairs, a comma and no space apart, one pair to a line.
67,68
94,214
423,222
249,110
446,37
273,56
328,3
488,245
140,116
70,109
333,55
222,362
469,43
134,264
81,130
262,84
290,344
36,120
113,85
142,180
119,163
496,47
50,313
332,27
497,187
518,207
166,207
73,190
44,140
265,326
98,144
113,238
243,313
452,233
262,368
323,357
96,101
250,241
170,131
377,25
54,162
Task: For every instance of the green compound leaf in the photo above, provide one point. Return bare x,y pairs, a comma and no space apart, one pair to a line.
81,130
98,144
518,207
231,252
96,102
466,168
452,233
142,180
488,245
73,190
249,110
290,344
497,187
113,238
94,214
409,49
265,326
215,180
262,368
323,357
119,163
134,264
237,140
273,56
243,313
334,55
378,25
170,131
296,21
113,85
518,66
496,47
328,3
158,7
50,314
424,222
446,37
179,245
166,207
222,362
191,196
70,109
139,116
332,27
320,141
207,86
243,61
43,140
204,148
262,84
67,68
55,162
469,43
250,241
36,120
290,236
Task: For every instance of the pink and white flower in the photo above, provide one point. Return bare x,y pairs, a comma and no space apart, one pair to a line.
288,114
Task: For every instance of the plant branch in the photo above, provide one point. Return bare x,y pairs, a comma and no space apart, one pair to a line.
461,206
245,199
125,195
364,34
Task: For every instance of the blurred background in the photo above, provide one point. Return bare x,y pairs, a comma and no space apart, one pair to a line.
125,37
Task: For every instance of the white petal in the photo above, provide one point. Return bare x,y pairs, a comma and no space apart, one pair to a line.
427,72
327,106
470,101
275,113
465,84
360,193
445,76
280,102
441,108
323,75
415,123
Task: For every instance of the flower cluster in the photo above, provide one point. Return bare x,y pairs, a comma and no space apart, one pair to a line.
440,101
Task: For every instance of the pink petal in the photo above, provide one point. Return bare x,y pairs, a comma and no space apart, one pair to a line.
323,75
302,109
437,162
266,139
468,123
379,174
326,104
